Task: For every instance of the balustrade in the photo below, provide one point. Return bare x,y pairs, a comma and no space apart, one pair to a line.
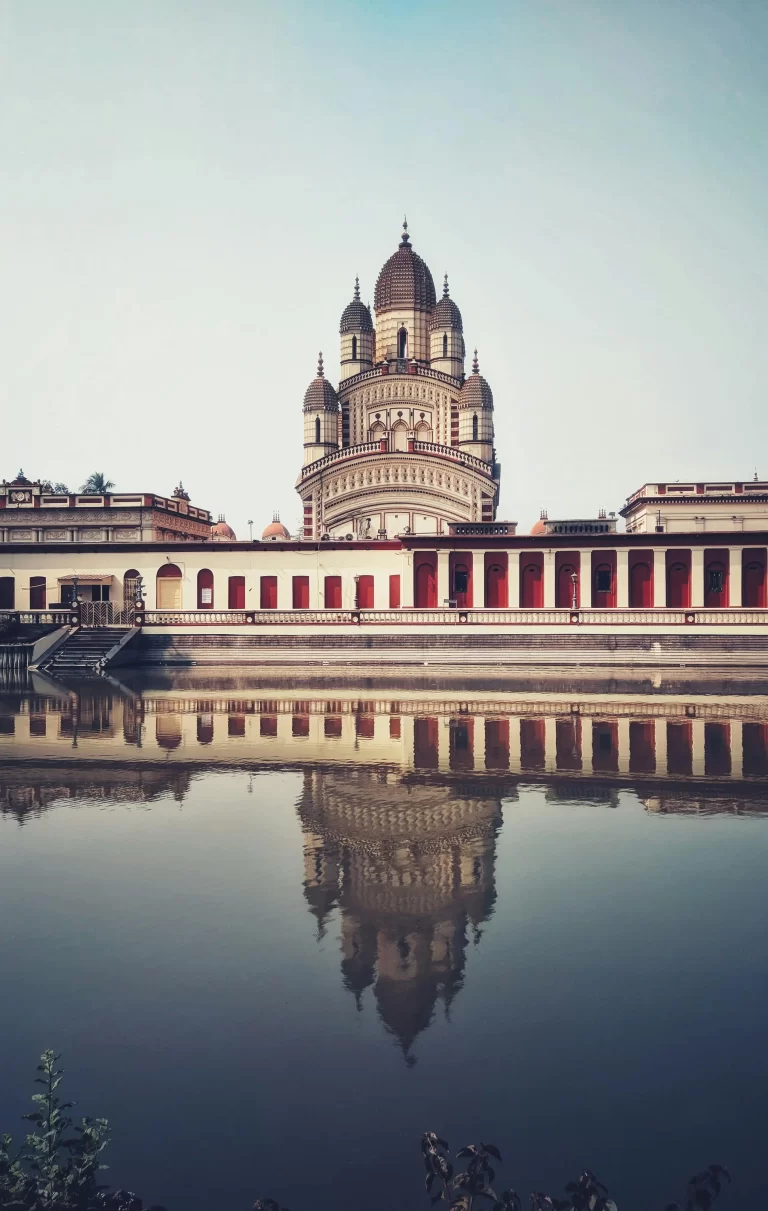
453,616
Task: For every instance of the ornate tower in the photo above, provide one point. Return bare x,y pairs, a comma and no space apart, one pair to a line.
404,300
476,415
357,337
321,417
446,340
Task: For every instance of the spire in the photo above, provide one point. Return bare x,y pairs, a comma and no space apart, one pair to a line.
475,364
357,287
405,238
320,373
445,287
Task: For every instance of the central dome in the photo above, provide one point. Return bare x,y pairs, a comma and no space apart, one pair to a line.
405,281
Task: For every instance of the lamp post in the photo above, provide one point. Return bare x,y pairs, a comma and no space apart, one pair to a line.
574,584
250,529
75,579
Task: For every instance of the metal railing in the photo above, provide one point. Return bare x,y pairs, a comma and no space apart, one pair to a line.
414,616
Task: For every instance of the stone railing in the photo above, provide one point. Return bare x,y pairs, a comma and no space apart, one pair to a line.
455,617
401,366
380,447
59,618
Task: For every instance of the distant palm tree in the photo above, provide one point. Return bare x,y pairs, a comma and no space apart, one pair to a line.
96,484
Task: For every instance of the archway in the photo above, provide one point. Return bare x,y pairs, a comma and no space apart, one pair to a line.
402,343
641,585
168,587
205,589
753,584
425,582
400,436
496,590
565,586
679,585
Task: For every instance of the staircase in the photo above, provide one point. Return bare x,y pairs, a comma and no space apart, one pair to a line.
87,651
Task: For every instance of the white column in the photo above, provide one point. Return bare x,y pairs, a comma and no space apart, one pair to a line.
735,555
284,590
661,746
622,739
550,743
697,747
737,748
659,577
622,578
549,579
513,580
697,576
443,586
406,741
406,579
478,578
514,744
585,580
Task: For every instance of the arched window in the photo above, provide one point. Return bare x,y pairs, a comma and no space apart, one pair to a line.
402,343
317,430
377,431
131,580
168,587
354,348
474,427
445,344
400,436
205,589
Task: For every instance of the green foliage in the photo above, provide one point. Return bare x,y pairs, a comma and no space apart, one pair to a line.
96,484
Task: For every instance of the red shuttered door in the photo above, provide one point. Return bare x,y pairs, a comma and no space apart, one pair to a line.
236,593
365,592
301,592
496,581
425,580
332,593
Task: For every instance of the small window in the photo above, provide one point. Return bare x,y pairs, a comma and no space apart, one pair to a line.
445,344
317,430
461,581
402,343
603,580
715,580
474,428
354,348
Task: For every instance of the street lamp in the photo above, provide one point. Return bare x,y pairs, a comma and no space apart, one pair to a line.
574,583
250,529
75,579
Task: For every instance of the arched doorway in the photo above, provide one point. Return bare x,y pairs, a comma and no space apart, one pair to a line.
641,584
400,435
205,589
425,582
532,584
564,589
169,587
679,584
460,573
753,582
716,581
496,588
402,343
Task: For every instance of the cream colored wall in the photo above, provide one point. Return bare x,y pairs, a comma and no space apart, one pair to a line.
454,362
366,342
389,323
389,394
329,434
703,516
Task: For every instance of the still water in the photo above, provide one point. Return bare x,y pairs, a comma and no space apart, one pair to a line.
279,929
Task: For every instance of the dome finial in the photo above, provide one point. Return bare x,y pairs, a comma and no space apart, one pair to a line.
406,237
475,364
445,286
320,373
357,287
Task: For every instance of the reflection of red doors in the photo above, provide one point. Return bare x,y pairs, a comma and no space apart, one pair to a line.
532,743
460,573
425,581
497,744
679,579
753,582
605,746
365,592
755,742
461,744
679,748
641,583
332,593
564,586
642,747
496,589
717,748
532,581
568,743
425,743
716,566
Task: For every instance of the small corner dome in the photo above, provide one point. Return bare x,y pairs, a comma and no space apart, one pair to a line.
221,532
446,313
539,527
355,317
275,531
404,281
320,393
476,393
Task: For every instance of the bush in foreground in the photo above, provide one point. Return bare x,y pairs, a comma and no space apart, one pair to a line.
55,1170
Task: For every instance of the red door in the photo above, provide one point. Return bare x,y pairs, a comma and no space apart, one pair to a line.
496,584
532,582
365,592
425,743
753,582
268,593
425,581
37,592
679,579
460,573
716,579
7,592
564,589
332,593
301,592
394,592
205,589
604,579
236,594
641,584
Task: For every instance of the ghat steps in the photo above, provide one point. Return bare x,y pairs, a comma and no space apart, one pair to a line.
88,650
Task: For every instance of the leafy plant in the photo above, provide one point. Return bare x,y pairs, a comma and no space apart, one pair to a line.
96,484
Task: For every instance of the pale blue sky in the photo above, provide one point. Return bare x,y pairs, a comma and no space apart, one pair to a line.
190,186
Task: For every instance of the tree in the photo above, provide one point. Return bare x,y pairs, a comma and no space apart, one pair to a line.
96,484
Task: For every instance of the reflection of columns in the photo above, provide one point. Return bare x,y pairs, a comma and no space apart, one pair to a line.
586,743
406,741
659,577
513,578
443,744
549,579
697,746
478,742
737,749
697,577
661,746
514,744
622,739
622,583
550,743
443,586
734,576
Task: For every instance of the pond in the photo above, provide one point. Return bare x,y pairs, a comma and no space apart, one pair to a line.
280,926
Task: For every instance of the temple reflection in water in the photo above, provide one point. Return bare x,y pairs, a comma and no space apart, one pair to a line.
403,790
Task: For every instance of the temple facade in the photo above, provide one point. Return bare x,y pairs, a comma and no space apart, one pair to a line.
405,444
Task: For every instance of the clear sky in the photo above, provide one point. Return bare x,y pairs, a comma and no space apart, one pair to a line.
190,186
